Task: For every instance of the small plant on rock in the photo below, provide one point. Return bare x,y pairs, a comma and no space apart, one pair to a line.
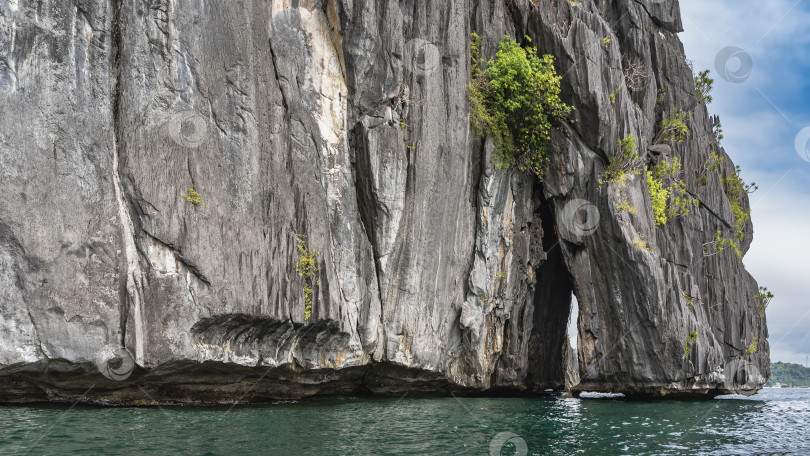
717,129
690,341
641,243
712,165
614,95
674,129
736,189
194,197
703,86
307,268
763,300
622,165
668,193
690,300
720,243
625,206
753,347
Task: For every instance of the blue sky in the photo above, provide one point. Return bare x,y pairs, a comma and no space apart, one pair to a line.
761,118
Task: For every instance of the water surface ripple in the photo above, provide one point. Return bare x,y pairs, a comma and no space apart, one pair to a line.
776,421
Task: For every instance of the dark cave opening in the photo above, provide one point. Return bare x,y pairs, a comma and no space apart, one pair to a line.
552,308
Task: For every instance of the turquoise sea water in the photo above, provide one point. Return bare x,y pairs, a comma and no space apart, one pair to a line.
776,421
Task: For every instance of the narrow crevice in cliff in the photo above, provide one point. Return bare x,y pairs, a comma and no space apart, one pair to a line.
552,307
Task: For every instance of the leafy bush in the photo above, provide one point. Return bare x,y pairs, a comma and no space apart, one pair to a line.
690,341
703,86
623,164
625,206
659,197
674,129
668,201
719,244
307,268
717,129
735,189
516,100
763,300
712,165
753,347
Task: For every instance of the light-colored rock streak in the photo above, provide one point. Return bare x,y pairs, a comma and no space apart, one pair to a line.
134,272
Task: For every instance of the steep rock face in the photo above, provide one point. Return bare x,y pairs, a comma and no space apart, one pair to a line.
345,125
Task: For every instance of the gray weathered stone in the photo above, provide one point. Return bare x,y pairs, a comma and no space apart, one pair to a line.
345,121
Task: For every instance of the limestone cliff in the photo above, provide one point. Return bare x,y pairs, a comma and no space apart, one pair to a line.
344,124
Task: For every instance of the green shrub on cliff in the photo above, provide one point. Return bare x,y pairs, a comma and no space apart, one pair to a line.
703,86
668,191
307,268
690,341
735,189
674,129
515,98
622,165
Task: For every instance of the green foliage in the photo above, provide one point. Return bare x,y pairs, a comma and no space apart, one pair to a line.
736,189
502,275
717,129
307,268
193,197
753,347
625,206
660,97
719,244
622,165
674,129
712,165
703,86
659,197
642,244
763,300
790,375
668,193
690,300
690,341
614,95
516,100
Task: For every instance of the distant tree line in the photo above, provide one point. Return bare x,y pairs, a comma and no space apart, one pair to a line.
790,375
